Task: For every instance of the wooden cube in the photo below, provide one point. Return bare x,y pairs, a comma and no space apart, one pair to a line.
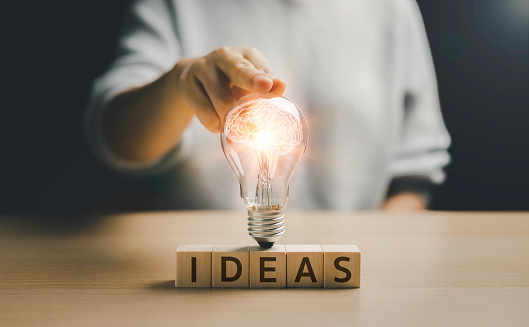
230,266
342,266
268,267
193,265
304,266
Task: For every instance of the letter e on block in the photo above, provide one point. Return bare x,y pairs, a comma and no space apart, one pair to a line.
268,267
193,265
342,266
230,266
304,266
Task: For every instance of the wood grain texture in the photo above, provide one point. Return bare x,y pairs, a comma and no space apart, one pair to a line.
304,265
230,266
268,267
341,266
418,269
193,265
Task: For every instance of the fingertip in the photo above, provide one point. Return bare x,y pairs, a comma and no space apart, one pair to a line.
215,129
278,86
262,83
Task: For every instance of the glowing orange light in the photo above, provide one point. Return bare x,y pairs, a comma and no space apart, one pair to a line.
264,126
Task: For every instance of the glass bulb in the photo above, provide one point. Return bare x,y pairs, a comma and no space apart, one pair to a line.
264,137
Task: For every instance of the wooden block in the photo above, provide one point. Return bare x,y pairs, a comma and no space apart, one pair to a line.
230,266
342,266
193,265
268,267
304,266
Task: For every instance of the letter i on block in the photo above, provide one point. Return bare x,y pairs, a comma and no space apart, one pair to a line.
342,266
304,266
193,265
268,267
230,266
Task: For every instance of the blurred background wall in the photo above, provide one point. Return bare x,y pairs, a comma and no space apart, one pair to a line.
52,51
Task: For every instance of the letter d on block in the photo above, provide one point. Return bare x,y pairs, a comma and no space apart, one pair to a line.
230,266
223,269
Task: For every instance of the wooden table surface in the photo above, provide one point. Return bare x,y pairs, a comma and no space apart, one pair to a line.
428,269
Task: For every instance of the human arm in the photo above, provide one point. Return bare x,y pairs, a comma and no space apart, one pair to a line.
140,107
409,194
421,150
404,201
144,123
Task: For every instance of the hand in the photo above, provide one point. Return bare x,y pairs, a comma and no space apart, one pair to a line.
405,201
211,84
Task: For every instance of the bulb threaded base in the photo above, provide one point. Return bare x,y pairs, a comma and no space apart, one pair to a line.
266,226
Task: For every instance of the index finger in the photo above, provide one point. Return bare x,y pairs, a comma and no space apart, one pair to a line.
242,73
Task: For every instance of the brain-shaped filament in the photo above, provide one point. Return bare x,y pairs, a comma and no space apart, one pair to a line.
265,126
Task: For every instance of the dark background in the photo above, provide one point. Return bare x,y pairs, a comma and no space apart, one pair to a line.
52,51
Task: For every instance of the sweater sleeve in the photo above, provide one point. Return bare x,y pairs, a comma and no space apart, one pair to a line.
421,151
147,48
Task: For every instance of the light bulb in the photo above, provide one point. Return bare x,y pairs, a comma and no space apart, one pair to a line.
264,137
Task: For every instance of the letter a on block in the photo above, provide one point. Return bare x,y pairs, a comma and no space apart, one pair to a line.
342,266
230,266
304,266
193,265
268,267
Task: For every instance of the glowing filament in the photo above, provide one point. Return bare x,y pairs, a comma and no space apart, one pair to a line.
264,126
270,129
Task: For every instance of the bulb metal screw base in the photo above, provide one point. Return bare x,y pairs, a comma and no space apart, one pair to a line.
266,226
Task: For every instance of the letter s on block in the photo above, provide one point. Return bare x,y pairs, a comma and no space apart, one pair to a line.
342,269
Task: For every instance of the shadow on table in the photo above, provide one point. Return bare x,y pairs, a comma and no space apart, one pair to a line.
165,284
169,285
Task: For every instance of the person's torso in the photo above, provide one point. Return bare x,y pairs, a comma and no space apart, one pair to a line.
341,68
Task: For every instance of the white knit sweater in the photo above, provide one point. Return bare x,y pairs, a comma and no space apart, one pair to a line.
361,72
